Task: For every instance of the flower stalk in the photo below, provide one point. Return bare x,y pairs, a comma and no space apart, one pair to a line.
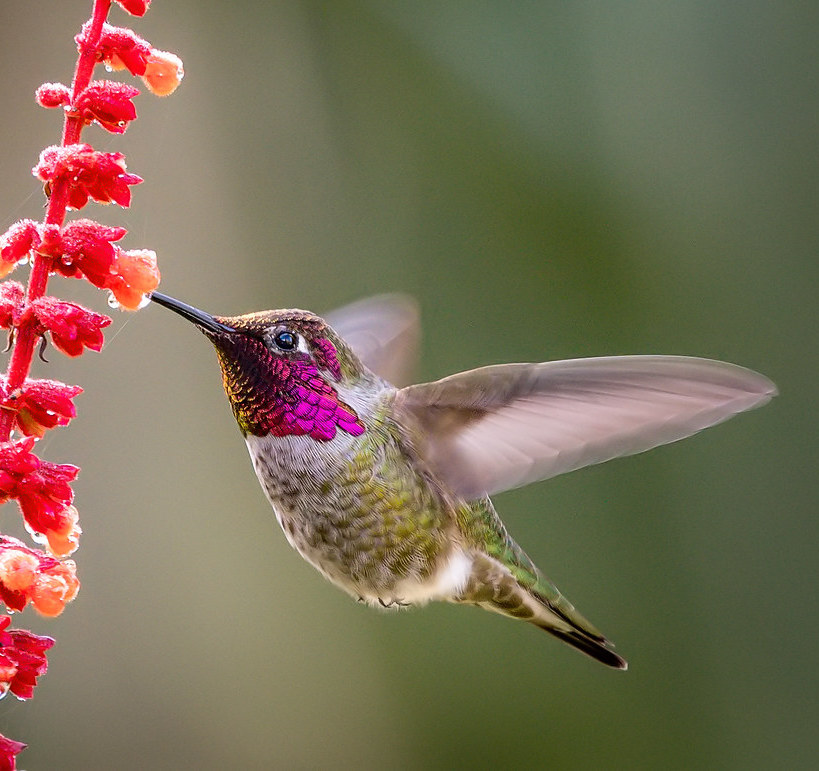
73,174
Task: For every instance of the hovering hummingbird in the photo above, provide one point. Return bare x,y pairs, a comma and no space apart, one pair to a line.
385,489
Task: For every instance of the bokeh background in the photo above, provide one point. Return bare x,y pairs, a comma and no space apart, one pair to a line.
550,180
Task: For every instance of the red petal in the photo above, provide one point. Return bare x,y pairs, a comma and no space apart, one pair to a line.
41,404
26,652
89,174
135,7
53,95
8,751
109,103
30,575
72,327
135,275
163,73
87,250
11,300
16,243
119,47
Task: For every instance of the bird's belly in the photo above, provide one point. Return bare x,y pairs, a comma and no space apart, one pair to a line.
367,528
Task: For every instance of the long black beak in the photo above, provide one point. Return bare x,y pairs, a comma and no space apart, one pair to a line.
204,321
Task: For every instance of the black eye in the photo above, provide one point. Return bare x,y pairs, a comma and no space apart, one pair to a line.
286,340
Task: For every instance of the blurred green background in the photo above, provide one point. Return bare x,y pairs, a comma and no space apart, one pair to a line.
550,180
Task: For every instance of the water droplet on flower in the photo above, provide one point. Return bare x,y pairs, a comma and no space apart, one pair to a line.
108,67
35,536
22,261
112,301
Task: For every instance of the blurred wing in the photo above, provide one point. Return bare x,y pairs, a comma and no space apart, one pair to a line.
384,332
500,427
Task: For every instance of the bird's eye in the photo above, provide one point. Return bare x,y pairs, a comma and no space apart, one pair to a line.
285,340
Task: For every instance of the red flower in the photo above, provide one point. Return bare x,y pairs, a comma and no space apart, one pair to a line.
22,659
8,751
87,250
134,275
41,404
89,174
41,489
16,243
119,48
163,73
72,327
53,95
11,298
30,575
135,7
109,103
45,496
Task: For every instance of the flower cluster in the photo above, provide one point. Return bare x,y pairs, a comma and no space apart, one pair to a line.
84,248
73,173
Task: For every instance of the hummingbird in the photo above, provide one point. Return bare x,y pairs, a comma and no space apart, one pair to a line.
384,487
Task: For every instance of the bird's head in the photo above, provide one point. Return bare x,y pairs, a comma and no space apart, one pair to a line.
282,370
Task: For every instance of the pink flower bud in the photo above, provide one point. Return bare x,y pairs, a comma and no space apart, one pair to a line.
163,73
135,274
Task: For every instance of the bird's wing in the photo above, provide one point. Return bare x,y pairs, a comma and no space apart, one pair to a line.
500,427
384,332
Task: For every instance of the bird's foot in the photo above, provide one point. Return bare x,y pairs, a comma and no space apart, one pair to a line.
393,603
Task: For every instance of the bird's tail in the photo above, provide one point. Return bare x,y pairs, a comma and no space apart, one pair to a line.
542,605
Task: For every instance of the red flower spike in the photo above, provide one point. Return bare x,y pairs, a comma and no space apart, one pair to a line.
9,749
87,250
119,48
135,275
22,659
163,73
90,174
30,575
108,103
16,243
53,95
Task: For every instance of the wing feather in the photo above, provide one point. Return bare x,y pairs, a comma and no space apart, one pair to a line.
384,332
500,427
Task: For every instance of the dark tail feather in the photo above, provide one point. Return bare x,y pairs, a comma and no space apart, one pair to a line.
588,645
